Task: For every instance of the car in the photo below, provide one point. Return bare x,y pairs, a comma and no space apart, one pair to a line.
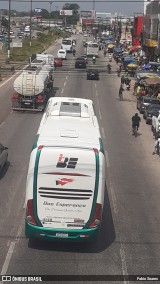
62,54
85,57
12,36
145,101
92,74
80,63
3,156
57,62
20,35
150,111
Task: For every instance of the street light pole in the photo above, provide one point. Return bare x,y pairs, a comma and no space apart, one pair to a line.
9,22
31,25
50,14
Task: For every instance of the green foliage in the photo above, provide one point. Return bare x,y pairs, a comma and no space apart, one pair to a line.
38,45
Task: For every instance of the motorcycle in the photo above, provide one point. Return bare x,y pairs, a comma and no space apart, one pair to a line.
110,58
94,60
128,87
109,69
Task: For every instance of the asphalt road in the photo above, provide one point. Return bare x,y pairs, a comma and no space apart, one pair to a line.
129,243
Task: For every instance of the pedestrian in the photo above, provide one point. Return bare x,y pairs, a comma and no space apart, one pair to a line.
122,80
156,146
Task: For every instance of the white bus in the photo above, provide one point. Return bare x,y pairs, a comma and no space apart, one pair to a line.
92,49
67,45
66,176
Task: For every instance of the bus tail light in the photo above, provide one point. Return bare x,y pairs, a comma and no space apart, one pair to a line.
29,212
97,216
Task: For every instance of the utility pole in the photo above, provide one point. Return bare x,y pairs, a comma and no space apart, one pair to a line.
9,22
31,24
50,14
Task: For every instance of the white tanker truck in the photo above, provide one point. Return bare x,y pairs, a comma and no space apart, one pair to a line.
33,87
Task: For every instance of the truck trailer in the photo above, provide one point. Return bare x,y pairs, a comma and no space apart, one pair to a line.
33,87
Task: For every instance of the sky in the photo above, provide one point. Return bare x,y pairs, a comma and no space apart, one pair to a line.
126,7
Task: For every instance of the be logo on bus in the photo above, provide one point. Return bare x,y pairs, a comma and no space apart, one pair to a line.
65,162
64,181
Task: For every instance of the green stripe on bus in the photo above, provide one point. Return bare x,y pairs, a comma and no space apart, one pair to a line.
35,188
95,192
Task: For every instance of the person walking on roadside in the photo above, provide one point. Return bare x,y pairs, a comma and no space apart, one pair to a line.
122,80
156,146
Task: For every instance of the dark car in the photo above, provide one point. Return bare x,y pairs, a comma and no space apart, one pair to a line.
143,102
92,74
3,156
80,63
58,62
150,111
85,57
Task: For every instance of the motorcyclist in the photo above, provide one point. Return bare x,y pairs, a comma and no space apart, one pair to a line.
135,121
118,72
110,57
94,59
109,67
74,52
105,51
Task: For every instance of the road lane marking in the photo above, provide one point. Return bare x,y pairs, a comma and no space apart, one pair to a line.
114,200
11,248
95,85
99,111
8,258
123,261
66,77
64,83
107,159
62,91
103,133
1,125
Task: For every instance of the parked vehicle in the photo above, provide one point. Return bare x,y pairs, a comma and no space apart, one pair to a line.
145,101
66,175
151,110
3,156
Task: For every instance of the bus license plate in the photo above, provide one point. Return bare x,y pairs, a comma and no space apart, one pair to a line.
61,235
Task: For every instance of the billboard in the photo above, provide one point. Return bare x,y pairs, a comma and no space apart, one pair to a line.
86,14
38,13
37,10
87,21
66,12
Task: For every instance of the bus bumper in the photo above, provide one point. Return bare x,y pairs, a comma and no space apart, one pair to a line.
42,233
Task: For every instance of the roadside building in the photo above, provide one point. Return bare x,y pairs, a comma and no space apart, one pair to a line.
151,30
137,30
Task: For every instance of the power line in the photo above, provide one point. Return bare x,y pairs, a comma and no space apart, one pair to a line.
86,1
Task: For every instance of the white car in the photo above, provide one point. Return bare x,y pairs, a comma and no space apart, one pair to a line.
12,36
62,54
